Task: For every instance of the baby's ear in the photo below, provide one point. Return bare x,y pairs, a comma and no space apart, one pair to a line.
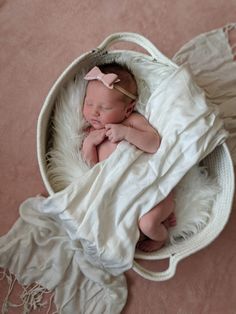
130,108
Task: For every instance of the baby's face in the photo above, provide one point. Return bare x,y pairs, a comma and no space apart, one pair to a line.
103,105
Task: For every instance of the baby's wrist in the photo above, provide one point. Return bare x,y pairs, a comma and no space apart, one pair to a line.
88,144
126,132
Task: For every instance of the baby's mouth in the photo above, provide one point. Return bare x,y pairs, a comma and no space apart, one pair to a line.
95,122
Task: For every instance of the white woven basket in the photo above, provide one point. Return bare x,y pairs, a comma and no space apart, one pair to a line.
219,162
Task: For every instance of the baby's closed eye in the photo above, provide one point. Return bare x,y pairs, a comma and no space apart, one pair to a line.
106,108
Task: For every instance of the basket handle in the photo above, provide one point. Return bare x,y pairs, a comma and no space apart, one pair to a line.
158,276
139,40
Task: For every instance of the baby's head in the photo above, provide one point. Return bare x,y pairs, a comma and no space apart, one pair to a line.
110,96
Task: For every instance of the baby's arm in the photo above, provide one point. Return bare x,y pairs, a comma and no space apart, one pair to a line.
89,148
138,132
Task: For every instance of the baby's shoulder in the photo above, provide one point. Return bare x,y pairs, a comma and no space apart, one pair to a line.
135,117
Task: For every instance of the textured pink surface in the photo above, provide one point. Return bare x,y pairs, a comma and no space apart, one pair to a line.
38,39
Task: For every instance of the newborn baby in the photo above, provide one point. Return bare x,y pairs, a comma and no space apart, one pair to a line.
109,109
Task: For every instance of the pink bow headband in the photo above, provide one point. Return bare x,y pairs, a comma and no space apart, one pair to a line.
108,80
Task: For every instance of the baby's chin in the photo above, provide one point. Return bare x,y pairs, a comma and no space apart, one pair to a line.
98,128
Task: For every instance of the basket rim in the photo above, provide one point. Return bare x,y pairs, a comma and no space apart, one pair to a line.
179,251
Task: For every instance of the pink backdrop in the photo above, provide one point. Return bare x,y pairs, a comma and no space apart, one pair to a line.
38,39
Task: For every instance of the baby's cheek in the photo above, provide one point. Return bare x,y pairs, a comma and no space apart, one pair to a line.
106,118
112,117
85,112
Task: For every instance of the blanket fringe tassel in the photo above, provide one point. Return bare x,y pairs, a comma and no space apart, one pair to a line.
230,120
31,297
227,29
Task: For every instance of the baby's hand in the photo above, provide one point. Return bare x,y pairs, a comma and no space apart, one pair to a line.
96,137
115,132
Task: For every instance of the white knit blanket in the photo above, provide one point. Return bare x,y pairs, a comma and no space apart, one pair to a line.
101,211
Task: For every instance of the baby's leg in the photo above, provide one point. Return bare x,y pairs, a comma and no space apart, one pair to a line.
153,225
170,221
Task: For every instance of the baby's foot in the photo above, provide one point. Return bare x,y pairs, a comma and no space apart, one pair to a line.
170,221
149,245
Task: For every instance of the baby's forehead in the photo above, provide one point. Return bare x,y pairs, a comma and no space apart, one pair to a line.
98,91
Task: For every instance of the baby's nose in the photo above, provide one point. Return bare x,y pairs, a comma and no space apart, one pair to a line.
95,111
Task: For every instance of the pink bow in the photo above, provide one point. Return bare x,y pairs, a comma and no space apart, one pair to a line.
107,79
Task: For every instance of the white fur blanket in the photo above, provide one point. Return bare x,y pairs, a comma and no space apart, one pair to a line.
99,252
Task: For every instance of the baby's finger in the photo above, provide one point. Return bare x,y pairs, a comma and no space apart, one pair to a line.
109,126
108,133
103,135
